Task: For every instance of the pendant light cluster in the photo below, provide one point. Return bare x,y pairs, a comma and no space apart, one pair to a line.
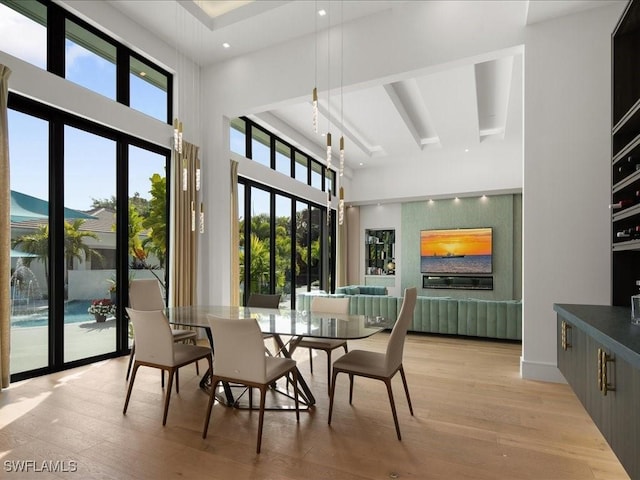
314,104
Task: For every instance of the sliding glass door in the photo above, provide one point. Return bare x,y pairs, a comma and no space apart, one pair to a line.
89,244
289,246
94,216
29,140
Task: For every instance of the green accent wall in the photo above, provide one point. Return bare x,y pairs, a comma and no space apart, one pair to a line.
501,212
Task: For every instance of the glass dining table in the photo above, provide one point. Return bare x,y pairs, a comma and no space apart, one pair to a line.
286,326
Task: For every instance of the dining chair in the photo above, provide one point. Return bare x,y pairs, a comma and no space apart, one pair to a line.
156,348
339,305
239,357
145,295
380,366
263,300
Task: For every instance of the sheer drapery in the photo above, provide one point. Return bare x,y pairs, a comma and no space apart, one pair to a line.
235,237
186,215
5,231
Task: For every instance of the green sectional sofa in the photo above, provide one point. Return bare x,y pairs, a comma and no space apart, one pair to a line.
454,316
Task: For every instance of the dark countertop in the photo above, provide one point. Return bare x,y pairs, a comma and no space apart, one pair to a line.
610,326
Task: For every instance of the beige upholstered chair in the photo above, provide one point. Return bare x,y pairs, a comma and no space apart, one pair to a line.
156,348
380,366
240,358
264,300
145,295
326,305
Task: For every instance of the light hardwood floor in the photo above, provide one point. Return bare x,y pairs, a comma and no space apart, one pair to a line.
475,418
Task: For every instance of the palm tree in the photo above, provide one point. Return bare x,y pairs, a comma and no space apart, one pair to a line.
37,243
74,246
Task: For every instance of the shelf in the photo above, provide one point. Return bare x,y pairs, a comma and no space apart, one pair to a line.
626,246
626,213
631,117
627,149
621,185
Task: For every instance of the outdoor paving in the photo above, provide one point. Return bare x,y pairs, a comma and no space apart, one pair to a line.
83,339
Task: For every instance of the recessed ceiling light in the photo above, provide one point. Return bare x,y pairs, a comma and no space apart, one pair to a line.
322,12
466,150
226,45
361,164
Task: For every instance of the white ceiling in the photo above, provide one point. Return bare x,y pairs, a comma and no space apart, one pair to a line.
460,107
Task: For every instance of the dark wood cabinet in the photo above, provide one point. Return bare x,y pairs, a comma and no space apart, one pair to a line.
599,355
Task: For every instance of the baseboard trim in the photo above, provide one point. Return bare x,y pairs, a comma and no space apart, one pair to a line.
546,372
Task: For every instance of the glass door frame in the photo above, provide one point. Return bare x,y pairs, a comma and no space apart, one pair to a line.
56,286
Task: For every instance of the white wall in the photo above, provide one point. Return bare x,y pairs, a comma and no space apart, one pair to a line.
567,169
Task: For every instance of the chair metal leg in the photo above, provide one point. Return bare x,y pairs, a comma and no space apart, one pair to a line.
332,393
329,371
167,397
295,393
133,379
263,394
177,381
406,389
350,388
387,382
311,360
131,355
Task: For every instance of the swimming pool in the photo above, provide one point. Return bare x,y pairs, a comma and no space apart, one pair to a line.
75,311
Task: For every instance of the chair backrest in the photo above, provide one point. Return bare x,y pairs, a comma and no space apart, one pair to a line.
145,294
238,349
153,337
263,300
330,305
395,346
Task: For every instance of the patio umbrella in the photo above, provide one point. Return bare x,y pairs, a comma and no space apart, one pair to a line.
25,207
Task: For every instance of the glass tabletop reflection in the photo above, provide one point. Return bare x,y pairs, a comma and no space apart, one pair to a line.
285,321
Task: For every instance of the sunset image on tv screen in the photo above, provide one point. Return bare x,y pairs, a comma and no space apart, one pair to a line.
462,250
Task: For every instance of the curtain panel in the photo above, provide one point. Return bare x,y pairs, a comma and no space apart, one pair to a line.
185,226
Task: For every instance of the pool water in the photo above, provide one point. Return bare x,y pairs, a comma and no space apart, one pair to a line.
75,311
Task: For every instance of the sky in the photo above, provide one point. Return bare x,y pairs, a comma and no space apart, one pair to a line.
90,167
463,241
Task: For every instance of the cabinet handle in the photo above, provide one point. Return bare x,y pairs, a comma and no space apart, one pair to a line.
603,381
564,335
600,369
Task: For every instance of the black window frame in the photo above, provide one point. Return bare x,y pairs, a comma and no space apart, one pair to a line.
57,120
56,36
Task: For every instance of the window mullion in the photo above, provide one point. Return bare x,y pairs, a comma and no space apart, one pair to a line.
55,40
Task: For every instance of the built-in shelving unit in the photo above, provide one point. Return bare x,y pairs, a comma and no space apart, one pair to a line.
379,252
625,155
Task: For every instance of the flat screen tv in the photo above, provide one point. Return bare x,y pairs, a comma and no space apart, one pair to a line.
456,251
